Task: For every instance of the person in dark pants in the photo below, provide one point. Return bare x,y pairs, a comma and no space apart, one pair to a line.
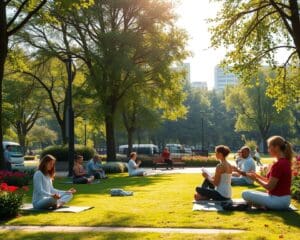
218,187
166,155
80,176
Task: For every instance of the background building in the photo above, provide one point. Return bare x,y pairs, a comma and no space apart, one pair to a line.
199,85
223,78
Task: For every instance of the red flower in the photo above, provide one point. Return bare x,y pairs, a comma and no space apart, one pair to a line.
3,187
12,188
295,173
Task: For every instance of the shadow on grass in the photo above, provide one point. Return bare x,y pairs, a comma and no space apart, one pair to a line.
68,236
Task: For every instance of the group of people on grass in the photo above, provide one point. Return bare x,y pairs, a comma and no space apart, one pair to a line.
217,187
277,182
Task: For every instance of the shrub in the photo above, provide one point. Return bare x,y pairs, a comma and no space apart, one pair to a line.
114,167
18,179
61,152
296,180
11,199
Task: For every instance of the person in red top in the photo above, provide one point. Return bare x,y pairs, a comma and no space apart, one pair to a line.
278,180
166,155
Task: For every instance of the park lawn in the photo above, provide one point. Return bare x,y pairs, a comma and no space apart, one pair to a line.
161,201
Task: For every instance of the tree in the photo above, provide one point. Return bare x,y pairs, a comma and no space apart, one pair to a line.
254,110
42,135
13,16
125,44
25,105
260,32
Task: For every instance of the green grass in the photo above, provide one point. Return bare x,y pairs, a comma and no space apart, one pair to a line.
160,201
120,235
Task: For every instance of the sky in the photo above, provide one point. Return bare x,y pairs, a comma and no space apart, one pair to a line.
192,17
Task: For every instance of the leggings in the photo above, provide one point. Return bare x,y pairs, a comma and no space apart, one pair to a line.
207,190
265,200
50,202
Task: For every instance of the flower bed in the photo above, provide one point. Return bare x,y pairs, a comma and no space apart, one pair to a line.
11,199
18,179
296,179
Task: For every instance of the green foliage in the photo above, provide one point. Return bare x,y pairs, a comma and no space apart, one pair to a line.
114,167
258,33
61,152
251,144
10,203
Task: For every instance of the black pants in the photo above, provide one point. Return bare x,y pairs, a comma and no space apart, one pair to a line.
81,179
169,163
208,190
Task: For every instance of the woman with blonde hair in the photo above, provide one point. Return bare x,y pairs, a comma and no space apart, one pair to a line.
278,179
45,196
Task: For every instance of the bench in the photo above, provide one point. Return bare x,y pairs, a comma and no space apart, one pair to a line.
159,162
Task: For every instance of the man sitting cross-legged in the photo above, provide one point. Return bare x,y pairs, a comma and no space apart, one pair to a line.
246,165
94,168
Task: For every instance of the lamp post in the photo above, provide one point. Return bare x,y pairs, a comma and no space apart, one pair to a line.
70,117
85,132
202,135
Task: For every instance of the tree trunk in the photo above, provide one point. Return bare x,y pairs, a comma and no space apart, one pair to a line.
130,133
3,55
110,136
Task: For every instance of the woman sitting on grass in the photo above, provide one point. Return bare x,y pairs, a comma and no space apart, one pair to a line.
44,195
80,175
278,180
133,166
217,188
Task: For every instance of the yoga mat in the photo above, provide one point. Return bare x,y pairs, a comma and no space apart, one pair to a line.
65,209
215,206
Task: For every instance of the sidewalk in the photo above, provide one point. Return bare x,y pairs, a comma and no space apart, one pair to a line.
69,229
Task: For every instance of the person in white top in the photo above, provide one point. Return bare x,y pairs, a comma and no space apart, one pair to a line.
133,166
218,187
45,196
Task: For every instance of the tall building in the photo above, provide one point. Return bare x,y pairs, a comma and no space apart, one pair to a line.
223,79
186,67
199,85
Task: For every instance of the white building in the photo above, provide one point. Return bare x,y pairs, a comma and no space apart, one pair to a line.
223,79
199,85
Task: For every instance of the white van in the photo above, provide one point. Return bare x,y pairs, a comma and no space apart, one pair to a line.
16,155
144,149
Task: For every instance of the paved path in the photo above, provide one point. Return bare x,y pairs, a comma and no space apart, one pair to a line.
69,229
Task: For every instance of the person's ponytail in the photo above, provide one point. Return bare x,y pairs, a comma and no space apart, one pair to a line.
284,146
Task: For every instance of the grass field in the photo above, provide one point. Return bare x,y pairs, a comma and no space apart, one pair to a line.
158,201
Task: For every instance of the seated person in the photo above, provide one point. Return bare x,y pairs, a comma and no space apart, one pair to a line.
217,188
166,156
80,176
246,165
278,180
133,166
238,158
45,196
94,168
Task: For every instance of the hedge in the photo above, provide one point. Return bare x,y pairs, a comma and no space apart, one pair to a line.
61,152
114,167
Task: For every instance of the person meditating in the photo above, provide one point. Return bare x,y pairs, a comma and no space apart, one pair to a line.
166,156
80,176
245,165
45,196
133,166
218,187
94,168
278,180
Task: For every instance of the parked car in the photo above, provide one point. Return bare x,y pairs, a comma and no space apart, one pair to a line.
16,155
144,149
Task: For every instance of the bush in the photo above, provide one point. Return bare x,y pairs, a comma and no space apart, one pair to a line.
61,152
18,179
114,167
11,199
296,180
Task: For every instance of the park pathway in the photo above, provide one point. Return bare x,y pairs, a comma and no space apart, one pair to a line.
74,229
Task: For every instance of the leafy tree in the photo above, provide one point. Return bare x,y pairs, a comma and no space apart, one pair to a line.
254,110
13,16
260,32
42,135
125,44
25,105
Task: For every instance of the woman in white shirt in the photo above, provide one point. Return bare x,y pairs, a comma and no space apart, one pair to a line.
133,166
218,187
45,196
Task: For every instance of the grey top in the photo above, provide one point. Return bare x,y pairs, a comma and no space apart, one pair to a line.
248,165
93,167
